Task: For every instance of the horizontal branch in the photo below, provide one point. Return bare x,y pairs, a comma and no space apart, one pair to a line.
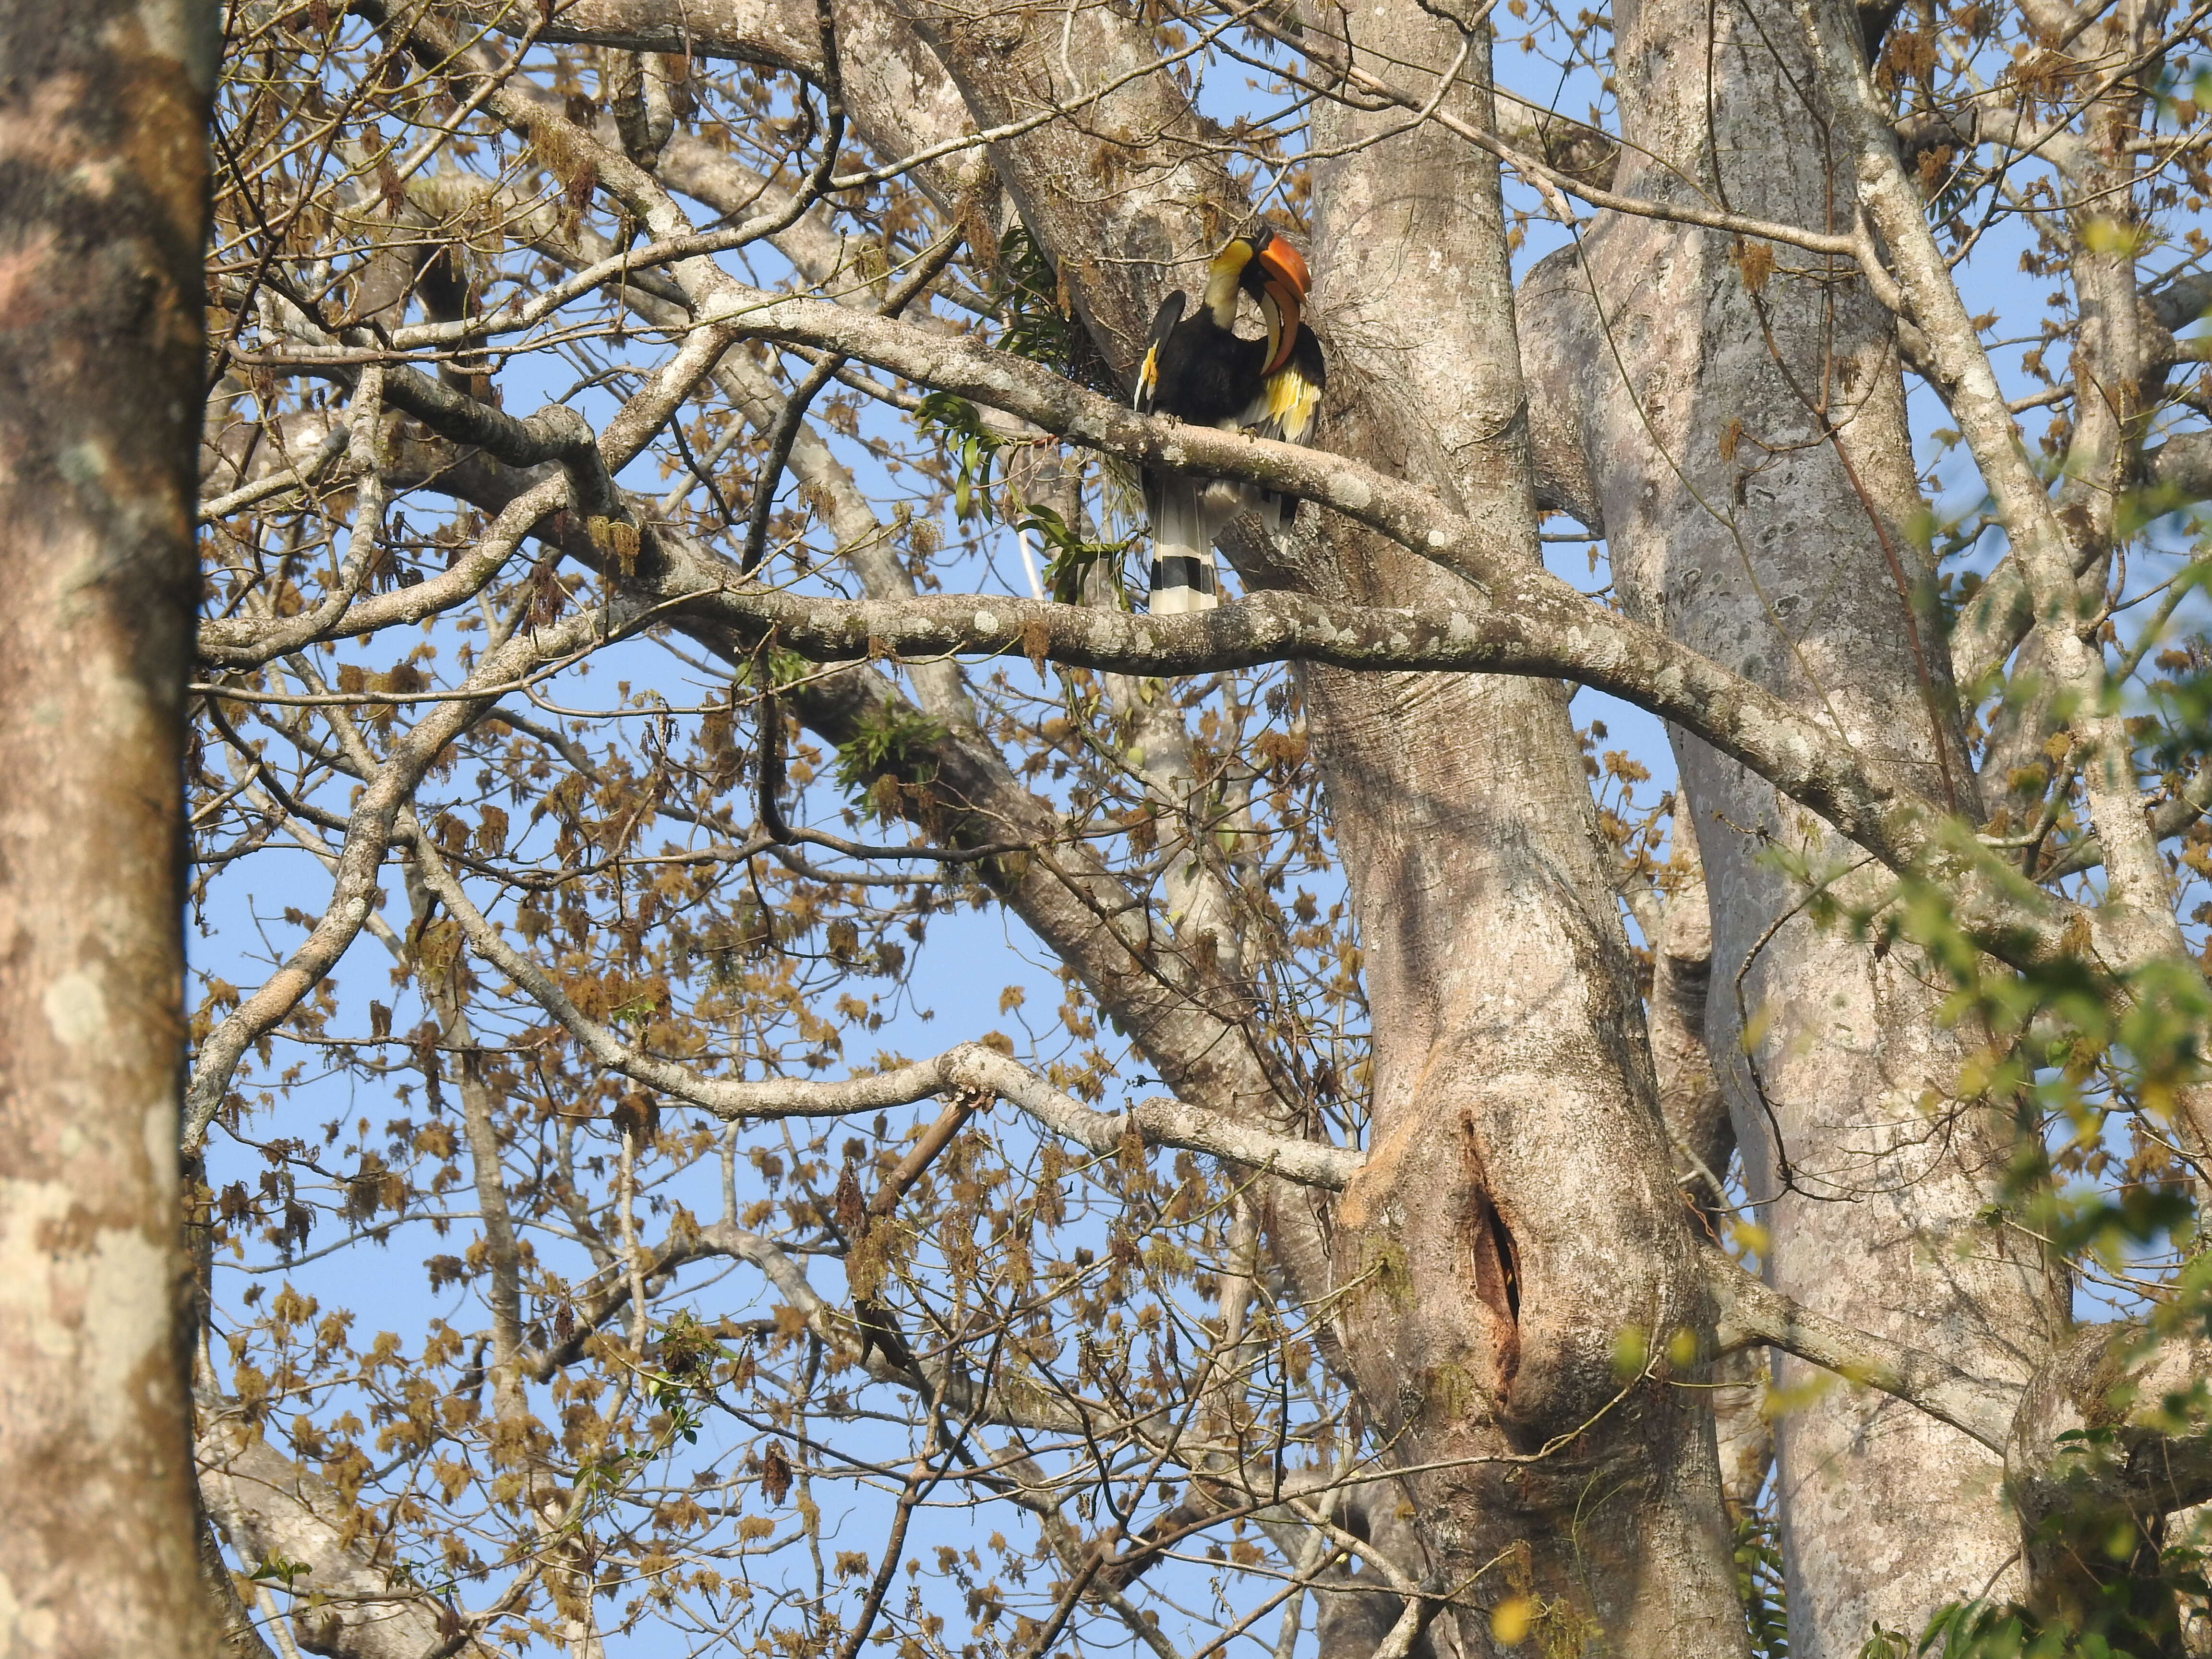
1865,800
1160,1120
308,472
2117,1411
1545,179
235,643
2181,467
1539,627
1535,623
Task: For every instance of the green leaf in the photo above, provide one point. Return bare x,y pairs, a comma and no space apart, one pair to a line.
891,741
1072,558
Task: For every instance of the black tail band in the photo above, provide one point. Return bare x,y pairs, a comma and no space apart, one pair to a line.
1181,570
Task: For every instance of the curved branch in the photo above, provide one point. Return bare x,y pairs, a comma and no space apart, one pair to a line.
2182,465
1161,1120
1540,633
1555,627
370,829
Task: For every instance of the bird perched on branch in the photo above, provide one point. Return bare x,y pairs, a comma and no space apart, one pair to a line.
1198,370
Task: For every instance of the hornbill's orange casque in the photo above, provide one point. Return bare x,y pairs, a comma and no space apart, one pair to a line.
1197,369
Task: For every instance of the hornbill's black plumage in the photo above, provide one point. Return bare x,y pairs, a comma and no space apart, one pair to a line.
1197,369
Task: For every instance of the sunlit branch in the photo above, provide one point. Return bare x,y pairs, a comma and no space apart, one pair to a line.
1751,1310
1549,181
312,471
1582,639
1160,1120
1969,385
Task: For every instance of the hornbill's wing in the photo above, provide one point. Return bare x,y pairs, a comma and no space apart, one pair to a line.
1289,398
1287,407
1148,371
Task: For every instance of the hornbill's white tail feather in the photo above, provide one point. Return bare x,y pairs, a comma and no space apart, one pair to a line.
1184,520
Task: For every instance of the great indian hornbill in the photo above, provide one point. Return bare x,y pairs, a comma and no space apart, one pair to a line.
1197,369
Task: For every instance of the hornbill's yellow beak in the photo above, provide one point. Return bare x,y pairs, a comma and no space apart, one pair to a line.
1282,283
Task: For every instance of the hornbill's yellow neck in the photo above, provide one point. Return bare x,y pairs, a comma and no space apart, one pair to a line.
1224,278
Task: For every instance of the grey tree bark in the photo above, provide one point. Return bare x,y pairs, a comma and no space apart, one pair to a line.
1742,433
103,210
1515,1142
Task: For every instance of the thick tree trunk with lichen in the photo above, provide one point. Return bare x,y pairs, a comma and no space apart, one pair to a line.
103,204
1518,1214
1742,440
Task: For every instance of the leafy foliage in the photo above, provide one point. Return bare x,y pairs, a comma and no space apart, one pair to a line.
892,743
1038,320
1759,1583
1074,560
970,444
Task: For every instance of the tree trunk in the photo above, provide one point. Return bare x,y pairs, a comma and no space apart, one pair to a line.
1742,428
102,111
1518,1226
